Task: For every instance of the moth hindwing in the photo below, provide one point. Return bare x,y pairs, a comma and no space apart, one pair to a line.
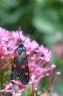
20,65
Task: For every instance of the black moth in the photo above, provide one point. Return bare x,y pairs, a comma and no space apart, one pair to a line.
20,65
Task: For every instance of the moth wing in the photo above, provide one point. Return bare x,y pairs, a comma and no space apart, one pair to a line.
14,67
24,69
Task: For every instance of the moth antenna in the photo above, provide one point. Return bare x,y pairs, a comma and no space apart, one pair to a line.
28,34
19,29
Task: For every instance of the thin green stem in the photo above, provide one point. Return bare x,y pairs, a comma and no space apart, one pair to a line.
2,82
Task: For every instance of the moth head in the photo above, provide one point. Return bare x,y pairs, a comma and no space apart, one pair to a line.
21,48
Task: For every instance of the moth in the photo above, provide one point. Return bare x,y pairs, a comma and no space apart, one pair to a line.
20,64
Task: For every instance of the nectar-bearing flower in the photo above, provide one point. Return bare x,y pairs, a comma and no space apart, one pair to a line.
37,57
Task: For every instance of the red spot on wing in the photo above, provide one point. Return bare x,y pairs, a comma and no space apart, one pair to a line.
14,65
15,54
24,55
23,66
26,74
26,64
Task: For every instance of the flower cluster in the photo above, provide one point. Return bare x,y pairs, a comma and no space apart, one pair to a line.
37,56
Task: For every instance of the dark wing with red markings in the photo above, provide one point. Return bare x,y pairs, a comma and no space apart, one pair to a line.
14,66
20,65
23,69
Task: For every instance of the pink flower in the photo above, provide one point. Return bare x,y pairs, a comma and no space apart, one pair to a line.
11,91
55,94
38,56
46,94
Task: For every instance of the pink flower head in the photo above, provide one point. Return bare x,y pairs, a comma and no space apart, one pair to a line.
46,94
58,73
37,56
11,91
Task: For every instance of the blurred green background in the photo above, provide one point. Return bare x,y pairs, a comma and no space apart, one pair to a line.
44,15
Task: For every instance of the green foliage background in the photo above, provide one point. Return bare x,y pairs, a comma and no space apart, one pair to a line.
44,15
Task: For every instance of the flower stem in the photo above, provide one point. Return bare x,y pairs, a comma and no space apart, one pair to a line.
2,82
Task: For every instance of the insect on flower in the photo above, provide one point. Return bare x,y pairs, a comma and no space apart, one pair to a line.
20,65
